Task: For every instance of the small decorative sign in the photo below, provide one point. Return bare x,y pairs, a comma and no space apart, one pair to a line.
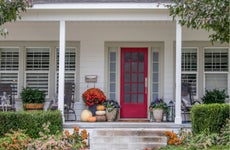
91,78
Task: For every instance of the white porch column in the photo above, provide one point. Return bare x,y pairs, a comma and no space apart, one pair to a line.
61,81
178,119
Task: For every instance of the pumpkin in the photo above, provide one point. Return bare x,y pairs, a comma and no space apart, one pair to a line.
92,119
100,112
100,107
85,115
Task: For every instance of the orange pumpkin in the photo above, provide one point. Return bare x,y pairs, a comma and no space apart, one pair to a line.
92,119
100,107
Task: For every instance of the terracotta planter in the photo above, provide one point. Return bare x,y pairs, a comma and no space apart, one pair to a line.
33,106
158,115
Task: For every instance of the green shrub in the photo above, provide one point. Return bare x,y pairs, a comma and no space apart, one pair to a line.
209,117
30,121
214,96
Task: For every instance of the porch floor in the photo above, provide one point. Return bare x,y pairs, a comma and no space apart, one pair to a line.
121,124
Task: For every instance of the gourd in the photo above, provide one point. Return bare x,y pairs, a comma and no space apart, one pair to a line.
92,119
100,112
85,115
100,107
101,118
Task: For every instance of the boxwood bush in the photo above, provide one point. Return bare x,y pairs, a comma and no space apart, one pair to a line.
209,117
31,121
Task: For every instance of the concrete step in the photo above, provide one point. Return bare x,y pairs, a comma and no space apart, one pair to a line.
126,139
126,135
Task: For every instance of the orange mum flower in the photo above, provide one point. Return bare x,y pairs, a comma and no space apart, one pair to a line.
67,133
93,96
76,129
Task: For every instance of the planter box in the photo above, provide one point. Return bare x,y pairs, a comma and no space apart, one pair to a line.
32,106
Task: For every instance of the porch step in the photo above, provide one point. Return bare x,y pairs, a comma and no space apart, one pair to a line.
126,139
126,135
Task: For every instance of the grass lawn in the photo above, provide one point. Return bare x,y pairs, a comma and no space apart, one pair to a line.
182,147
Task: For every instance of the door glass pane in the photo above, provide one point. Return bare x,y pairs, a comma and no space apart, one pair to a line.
140,98
134,77
141,67
127,77
141,56
134,98
127,88
127,67
134,67
134,88
135,56
127,56
141,77
140,87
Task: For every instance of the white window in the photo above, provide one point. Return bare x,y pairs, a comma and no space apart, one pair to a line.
112,73
70,65
189,68
9,67
155,75
37,68
216,68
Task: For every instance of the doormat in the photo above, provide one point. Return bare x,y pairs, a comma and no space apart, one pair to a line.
133,120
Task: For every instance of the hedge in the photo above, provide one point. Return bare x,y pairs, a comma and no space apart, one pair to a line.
31,121
209,117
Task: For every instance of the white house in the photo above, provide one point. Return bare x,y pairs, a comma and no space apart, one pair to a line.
134,48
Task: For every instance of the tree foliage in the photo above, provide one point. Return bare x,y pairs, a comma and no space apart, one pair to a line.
211,15
10,11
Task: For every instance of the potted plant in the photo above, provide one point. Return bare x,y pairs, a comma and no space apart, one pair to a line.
112,109
32,99
158,107
93,97
214,96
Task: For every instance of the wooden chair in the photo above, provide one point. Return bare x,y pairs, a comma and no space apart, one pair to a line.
187,101
68,102
7,101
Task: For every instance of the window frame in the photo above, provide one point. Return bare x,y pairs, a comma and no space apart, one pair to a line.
13,72
38,71
193,72
216,72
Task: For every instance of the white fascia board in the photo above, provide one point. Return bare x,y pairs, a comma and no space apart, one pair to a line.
94,15
97,12
101,6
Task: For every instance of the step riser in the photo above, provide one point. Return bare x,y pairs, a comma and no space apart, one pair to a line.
126,139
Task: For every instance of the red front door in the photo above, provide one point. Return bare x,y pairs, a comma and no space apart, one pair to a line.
134,65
